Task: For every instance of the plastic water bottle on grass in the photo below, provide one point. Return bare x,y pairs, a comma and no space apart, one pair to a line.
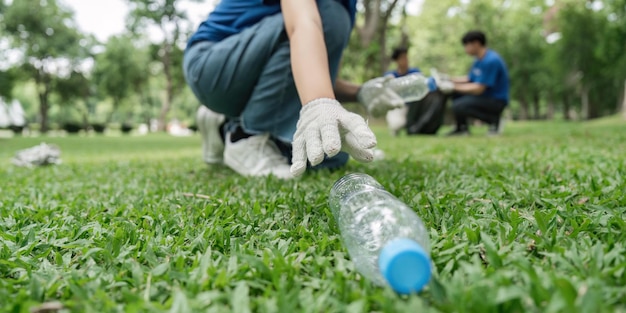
413,87
386,240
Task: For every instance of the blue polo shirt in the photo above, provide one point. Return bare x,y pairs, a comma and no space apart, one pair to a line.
411,70
491,71
232,16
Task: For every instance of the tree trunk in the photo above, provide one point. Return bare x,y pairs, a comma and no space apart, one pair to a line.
85,117
624,102
372,15
382,39
404,34
550,109
43,109
584,99
42,81
383,58
169,87
537,105
523,105
566,108
116,105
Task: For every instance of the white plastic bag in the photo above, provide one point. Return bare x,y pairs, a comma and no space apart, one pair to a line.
43,154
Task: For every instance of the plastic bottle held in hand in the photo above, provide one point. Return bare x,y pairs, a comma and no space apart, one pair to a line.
413,87
386,240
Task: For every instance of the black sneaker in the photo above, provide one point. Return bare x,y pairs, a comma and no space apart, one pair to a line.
495,129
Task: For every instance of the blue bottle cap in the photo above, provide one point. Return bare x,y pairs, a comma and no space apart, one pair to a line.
405,265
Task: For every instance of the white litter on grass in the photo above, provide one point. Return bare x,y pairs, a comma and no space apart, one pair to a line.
396,119
43,154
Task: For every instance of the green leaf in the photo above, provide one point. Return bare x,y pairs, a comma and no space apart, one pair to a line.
240,299
180,304
160,269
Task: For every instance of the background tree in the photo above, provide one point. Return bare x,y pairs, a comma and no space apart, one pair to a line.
7,77
45,34
171,21
74,91
7,82
376,30
121,70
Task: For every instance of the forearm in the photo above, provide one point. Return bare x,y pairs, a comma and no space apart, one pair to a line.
469,88
309,60
460,80
346,91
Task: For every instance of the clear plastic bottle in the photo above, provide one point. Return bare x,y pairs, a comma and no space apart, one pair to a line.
413,87
386,240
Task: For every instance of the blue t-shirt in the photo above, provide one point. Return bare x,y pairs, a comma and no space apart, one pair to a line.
491,72
232,16
411,70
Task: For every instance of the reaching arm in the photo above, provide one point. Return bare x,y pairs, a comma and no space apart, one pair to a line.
346,91
324,127
470,88
460,80
309,59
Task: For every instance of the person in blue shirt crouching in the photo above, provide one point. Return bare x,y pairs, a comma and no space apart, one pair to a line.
397,119
484,93
265,72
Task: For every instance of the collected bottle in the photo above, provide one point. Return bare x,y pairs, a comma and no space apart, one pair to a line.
386,240
412,87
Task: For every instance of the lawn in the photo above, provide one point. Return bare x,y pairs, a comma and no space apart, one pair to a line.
533,221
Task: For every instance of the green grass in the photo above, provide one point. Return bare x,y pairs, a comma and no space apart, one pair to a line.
533,221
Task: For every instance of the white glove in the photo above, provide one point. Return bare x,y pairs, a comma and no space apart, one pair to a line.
443,81
438,75
446,86
377,98
325,127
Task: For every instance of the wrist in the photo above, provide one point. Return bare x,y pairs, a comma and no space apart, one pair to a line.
318,101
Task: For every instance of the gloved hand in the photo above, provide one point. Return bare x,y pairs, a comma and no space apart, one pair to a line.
325,127
438,75
377,98
442,81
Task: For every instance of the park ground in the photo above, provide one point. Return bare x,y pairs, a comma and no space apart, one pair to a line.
532,221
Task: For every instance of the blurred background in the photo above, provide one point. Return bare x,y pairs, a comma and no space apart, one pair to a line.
101,66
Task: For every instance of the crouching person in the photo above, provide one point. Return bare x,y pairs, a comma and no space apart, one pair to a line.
265,73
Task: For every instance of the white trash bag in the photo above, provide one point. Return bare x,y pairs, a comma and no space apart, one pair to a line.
43,154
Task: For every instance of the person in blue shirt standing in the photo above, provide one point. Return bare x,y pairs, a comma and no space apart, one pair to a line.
265,73
401,57
484,93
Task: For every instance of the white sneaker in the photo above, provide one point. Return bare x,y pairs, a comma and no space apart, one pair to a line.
208,125
256,156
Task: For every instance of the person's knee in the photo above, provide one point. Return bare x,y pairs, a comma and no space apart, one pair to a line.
459,106
463,104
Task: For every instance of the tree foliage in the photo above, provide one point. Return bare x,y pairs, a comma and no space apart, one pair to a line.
45,34
121,70
584,70
7,82
170,20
